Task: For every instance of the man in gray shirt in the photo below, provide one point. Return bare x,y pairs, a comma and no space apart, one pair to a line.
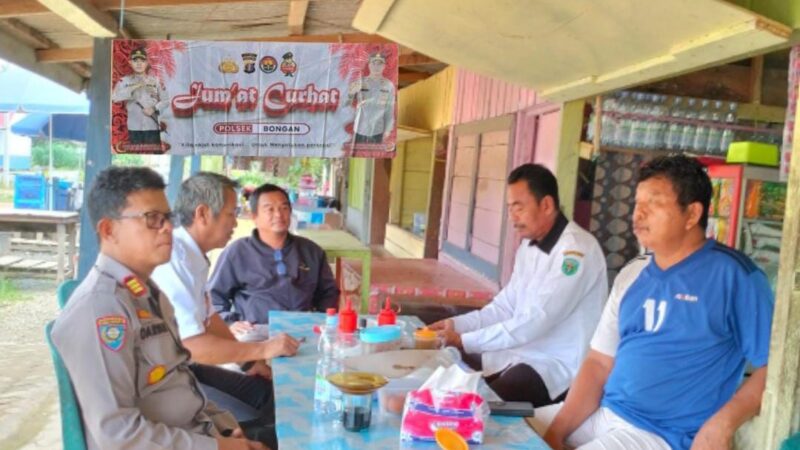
271,269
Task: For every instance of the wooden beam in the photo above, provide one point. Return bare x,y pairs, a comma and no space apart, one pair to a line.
416,59
20,8
58,55
756,77
35,41
15,50
297,16
412,77
342,38
84,16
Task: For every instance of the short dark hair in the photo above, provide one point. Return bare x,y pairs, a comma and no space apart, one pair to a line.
203,188
265,189
541,182
688,178
110,191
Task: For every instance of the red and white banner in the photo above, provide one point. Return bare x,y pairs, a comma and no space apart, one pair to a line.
254,98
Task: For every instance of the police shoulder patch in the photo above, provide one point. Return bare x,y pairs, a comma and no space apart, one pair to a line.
570,266
112,330
134,285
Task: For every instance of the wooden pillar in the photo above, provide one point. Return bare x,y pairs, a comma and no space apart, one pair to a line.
435,195
379,209
569,149
781,403
98,146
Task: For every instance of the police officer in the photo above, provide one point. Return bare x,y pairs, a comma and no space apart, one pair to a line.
145,98
374,96
118,336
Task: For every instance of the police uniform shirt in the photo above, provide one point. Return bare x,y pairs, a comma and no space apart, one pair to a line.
375,107
680,338
546,314
119,342
246,284
140,91
183,280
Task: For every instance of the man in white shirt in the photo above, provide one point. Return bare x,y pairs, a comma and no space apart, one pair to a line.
206,208
530,340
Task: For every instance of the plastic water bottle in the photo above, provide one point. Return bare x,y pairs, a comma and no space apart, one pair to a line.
715,131
701,134
728,134
326,397
623,128
672,141
689,128
610,120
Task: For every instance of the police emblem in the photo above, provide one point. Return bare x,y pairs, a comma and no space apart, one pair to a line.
268,64
111,330
288,66
570,266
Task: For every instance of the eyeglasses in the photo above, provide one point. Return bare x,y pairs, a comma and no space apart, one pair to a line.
280,266
154,220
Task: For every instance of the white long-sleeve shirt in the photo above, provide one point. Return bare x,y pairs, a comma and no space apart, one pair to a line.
545,316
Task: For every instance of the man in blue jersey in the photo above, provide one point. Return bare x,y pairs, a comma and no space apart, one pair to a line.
666,362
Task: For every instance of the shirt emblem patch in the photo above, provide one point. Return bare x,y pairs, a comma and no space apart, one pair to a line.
570,266
111,330
134,285
156,374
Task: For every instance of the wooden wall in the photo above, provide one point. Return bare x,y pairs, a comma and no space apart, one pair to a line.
428,104
478,97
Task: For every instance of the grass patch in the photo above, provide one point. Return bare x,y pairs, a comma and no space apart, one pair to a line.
6,195
10,292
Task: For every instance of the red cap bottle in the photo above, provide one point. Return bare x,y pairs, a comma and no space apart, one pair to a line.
348,319
387,315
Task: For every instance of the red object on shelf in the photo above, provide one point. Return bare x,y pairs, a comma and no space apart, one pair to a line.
387,315
735,175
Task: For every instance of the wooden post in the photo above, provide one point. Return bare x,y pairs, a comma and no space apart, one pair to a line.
569,150
379,210
756,76
98,146
435,195
781,403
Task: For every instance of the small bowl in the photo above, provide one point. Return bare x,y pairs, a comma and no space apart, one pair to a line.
357,383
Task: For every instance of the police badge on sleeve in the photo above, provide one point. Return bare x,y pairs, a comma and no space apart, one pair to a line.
111,330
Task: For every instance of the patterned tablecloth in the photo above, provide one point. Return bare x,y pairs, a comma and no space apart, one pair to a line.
298,428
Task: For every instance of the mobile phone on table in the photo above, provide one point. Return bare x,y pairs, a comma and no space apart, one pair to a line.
514,409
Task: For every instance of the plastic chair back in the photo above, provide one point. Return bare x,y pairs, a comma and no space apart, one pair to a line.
71,422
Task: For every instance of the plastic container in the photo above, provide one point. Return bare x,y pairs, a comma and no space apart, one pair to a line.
30,192
753,153
392,397
356,411
426,339
380,339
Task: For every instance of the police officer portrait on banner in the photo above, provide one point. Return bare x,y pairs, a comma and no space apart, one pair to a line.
145,100
373,97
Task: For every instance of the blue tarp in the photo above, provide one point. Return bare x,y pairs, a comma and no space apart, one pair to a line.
21,90
65,126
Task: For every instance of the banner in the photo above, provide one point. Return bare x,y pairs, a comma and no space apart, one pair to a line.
254,98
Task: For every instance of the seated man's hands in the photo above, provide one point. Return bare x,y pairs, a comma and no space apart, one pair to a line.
446,330
241,327
261,369
281,345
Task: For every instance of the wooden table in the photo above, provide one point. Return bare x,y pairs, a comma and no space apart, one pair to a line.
340,244
64,223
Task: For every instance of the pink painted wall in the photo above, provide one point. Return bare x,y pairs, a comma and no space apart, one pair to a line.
533,138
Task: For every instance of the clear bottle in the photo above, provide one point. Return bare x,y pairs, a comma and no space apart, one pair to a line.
701,133
327,399
672,140
715,130
623,128
655,126
689,128
728,133
610,120
638,127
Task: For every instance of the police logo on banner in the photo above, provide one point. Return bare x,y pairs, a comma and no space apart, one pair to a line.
111,330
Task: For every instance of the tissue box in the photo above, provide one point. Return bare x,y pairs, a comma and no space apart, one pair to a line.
427,410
